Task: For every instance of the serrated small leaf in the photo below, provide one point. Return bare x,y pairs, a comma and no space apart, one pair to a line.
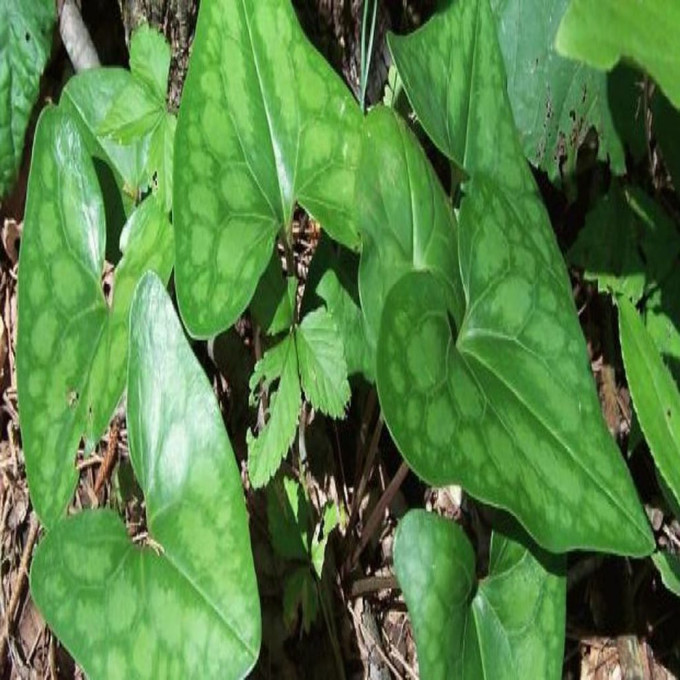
188,607
72,348
655,395
507,626
132,116
25,42
264,122
330,519
668,565
269,448
321,357
607,248
87,98
607,31
161,157
150,60
274,302
288,516
299,593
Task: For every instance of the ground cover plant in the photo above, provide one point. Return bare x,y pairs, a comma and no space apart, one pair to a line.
313,380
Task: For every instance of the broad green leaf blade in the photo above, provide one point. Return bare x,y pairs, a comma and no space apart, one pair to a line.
269,448
264,122
150,60
87,98
25,44
412,228
655,395
555,101
510,625
517,378
454,76
71,349
602,33
668,565
322,365
191,606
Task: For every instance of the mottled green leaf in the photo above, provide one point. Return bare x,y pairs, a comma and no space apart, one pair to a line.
454,75
668,565
555,101
509,625
268,449
655,394
150,60
71,348
604,32
25,44
482,369
322,365
288,518
188,606
264,122
87,97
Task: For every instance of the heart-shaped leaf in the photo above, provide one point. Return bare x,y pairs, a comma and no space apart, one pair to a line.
509,625
494,393
188,607
25,43
655,394
555,101
71,347
604,32
264,122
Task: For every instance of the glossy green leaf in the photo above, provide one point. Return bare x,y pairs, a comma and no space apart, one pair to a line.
668,565
555,101
321,358
509,625
188,606
268,449
482,369
25,43
655,394
150,60
264,122
604,32
161,157
87,98
72,348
